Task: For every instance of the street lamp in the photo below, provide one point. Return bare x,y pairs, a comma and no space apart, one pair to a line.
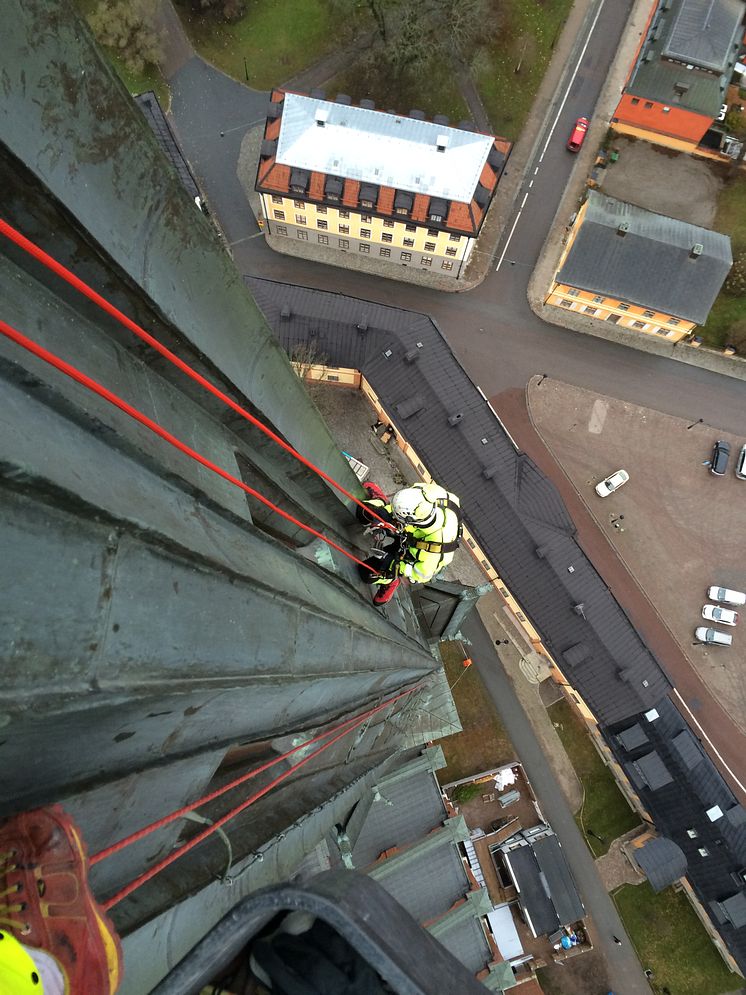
697,422
246,68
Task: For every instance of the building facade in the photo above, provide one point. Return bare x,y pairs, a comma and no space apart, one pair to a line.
376,184
639,270
675,94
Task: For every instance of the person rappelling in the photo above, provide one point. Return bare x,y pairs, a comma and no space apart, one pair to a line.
427,527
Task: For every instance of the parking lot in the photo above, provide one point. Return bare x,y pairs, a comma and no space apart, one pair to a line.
677,527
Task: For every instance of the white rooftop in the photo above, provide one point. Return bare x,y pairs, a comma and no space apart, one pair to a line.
374,147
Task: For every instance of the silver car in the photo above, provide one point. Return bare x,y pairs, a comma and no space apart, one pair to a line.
716,613
705,635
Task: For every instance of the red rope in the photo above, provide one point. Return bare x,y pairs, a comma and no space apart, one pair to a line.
20,339
219,823
39,254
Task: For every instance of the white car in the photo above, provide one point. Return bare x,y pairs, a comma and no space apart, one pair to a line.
612,483
726,596
705,635
716,613
723,112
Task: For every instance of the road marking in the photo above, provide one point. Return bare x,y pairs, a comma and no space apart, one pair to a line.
572,79
554,125
531,184
712,745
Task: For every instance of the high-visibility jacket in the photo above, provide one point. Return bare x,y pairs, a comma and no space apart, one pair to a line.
430,548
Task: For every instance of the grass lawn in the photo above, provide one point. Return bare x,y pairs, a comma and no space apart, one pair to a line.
731,220
604,810
671,941
484,743
527,35
278,38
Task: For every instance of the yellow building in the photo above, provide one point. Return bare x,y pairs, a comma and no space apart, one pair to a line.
639,270
381,185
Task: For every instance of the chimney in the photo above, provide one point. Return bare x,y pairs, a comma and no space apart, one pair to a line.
321,115
623,228
441,143
697,250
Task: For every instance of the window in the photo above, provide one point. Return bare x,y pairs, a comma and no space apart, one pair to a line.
566,303
648,314
666,110
388,224
598,299
276,199
386,237
411,228
320,209
426,261
281,230
364,248
692,834
635,101
590,310
365,219
703,851
638,324
624,307
344,229
454,238
323,239
432,232
409,242
648,104
322,224
344,243
401,210
385,253
300,219
613,318
365,233
299,203
674,321
436,217
429,246
406,257
303,235
280,215
573,293
446,265
344,214
451,252
366,203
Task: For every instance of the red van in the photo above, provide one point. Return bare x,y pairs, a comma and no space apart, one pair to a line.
577,137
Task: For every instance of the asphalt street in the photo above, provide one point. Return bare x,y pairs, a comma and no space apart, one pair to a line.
625,973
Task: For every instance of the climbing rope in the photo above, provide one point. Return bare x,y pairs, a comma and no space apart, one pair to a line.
74,281
337,733
75,374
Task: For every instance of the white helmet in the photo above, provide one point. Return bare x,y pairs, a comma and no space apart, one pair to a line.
411,507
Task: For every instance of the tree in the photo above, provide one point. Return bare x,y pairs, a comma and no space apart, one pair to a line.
126,26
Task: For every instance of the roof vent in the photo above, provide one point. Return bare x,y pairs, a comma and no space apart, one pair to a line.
623,228
322,115
442,143
697,250
455,418
285,313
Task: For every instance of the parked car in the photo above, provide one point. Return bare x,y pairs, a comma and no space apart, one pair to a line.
723,112
712,636
577,136
720,457
716,613
741,464
612,483
726,596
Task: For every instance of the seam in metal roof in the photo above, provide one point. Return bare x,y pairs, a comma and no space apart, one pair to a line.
704,31
376,147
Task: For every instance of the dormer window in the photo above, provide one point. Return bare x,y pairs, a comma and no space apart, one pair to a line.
299,179
368,196
403,202
333,186
437,210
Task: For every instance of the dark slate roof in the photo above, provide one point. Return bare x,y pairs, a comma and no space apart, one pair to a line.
731,910
559,880
653,771
465,939
512,513
633,737
703,32
148,104
688,748
428,886
651,264
531,541
662,862
681,805
533,895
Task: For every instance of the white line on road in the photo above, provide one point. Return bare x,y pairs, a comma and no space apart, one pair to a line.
554,125
714,748
531,184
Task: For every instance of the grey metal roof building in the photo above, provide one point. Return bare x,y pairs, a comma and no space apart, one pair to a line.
689,53
626,252
519,520
662,862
